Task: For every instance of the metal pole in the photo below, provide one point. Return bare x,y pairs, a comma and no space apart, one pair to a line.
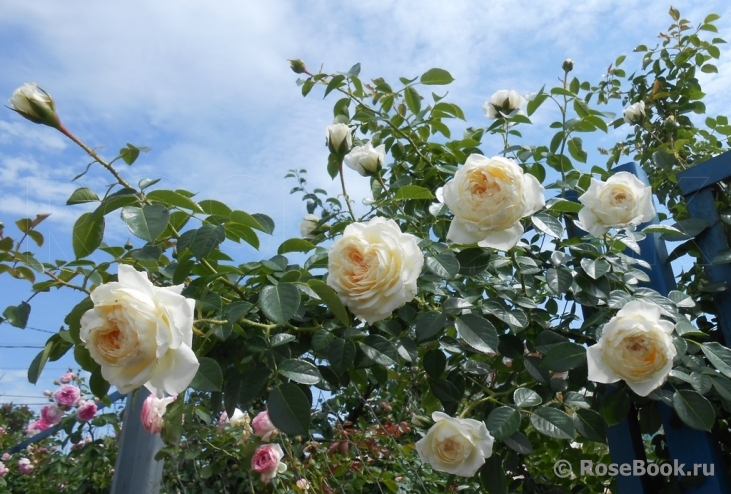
136,471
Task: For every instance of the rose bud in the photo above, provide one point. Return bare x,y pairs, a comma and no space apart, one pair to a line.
567,65
35,104
153,410
263,426
339,139
297,66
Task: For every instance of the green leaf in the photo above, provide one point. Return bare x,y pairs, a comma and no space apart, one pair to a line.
616,406
300,371
379,349
341,355
235,231
279,303
429,324
478,332
709,69
473,261
524,397
436,77
413,100
99,386
253,385
295,245
289,409
564,356
209,376
719,356
492,475
565,206
503,422
553,423
17,315
203,240
576,149
130,153
519,443
435,362
147,222
413,192
215,208
331,300
87,234
82,195
559,280
595,268
547,224
444,265
694,409
445,391
591,425
172,198
267,224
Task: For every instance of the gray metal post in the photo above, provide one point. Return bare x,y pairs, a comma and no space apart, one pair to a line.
136,471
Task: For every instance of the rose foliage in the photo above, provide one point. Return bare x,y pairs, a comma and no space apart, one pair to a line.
486,315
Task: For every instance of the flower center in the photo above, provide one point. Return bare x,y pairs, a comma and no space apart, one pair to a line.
450,450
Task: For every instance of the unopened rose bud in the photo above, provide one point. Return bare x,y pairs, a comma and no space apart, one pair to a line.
670,121
339,139
128,245
33,103
567,65
297,66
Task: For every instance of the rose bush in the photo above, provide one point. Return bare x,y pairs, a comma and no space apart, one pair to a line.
474,296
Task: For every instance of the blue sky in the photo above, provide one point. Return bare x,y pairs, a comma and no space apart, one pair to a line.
207,86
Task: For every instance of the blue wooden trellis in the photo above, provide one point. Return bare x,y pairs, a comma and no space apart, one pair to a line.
686,445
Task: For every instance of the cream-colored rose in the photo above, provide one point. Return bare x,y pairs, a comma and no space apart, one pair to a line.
636,347
457,446
617,203
373,268
366,160
339,138
634,113
502,103
34,104
141,334
488,197
308,225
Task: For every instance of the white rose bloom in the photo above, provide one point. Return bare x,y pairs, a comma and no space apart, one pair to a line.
366,160
617,203
634,113
636,347
339,138
373,268
141,334
488,197
503,102
308,225
457,446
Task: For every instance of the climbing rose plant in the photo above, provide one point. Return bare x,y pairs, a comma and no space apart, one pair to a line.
483,318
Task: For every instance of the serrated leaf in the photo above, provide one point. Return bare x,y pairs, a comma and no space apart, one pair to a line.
295,245
553,423
436,77
172,198
331,299
595,268
412,99
564,356
478,332
209,376
412,192
17,315
503,422
694,409
289,409
444,265
279,303
591,425
524,397
719,356
547,224
559,280
300,371
81,196
341,355
87,234
379,349
147,222
429,324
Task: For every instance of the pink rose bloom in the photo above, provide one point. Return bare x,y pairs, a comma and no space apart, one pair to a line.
86,412
67,378
267,461
152,411
6,456
51,414
37,426
67,395
25,466
3,470
263,426
2,431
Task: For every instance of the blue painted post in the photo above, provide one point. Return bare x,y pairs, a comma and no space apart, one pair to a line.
136,471
695,184
624,439
686,445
